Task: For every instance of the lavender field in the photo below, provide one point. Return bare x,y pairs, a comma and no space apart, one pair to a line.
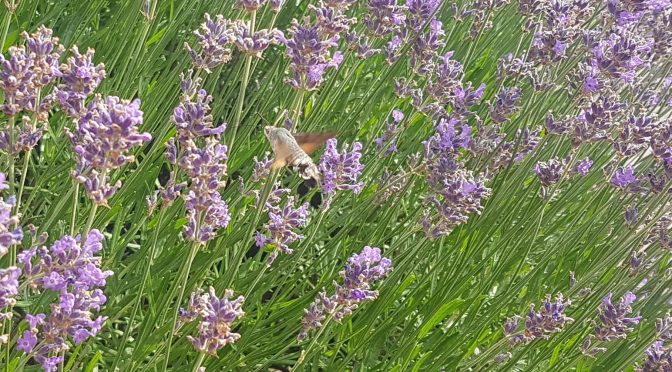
335,185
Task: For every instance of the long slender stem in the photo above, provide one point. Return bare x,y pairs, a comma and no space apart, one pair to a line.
192,253
198,363
22,183
8,20
143,283
243,87
10,158
75,201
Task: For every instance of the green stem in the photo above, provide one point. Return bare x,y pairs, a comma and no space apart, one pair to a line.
243,87
305,353
22,184
75,201
143,283
89,222
183,285
198,363
8,20
10,158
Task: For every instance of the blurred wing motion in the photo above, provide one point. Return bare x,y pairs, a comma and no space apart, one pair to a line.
309,142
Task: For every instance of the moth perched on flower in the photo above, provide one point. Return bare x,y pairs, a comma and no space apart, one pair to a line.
294,150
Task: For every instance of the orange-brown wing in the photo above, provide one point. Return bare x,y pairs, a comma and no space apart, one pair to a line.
309,142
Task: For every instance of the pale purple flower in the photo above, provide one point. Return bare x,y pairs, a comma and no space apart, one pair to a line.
658,357
67,263
206,167
262,168
361,272
308,51
192,116
360,45
500,358
549,172
217,316
506,103
16,75
9,288
528,143
214,38
388,139
282,223
583,166
254,43
623,177
539,324
101,141
614,320
79,79
331,21
631,216
250,5
27,342
11,233
341,170
275,5
384,17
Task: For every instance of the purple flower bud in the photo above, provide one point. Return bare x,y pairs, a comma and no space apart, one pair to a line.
583,167
506,104
101,142
624,177
614,323
217,316
254,43
214,38
282,223
341,170
250,5
549,172
631,216
262,168
80,78
360,273
11,233
275,5
9,288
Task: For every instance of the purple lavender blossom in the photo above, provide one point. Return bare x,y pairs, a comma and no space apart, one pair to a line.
624,177
614,322
425,47
71,317
9,288
16,75
71,269
360,273
631,216
528,143
256,43
275,5
11,233
101,141
657,358
217,316
250,5
80,78
360,45
384,17
67,263
331,21
309,54
192,117
583,166
262,168
282,223
388,138
549,172
214,39
206,211
506,104
541,324
341,170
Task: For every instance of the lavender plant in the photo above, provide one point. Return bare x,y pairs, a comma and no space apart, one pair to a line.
134,171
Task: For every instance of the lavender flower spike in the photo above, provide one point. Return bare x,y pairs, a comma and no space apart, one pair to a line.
80,79
281,225
360,273
216,318
549,172
10,232
341,170
214,38
101,142
9,287
614,323
624,177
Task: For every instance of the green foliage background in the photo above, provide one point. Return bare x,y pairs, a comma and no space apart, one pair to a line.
444,303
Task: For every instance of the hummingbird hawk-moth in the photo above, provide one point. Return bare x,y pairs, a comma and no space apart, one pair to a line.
294,149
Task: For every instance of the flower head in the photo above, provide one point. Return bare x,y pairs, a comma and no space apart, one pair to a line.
614,322
80,77
217,316
341,170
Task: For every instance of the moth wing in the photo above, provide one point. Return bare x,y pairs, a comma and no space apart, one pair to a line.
309,142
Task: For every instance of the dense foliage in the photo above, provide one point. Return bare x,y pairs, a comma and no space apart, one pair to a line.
496,194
